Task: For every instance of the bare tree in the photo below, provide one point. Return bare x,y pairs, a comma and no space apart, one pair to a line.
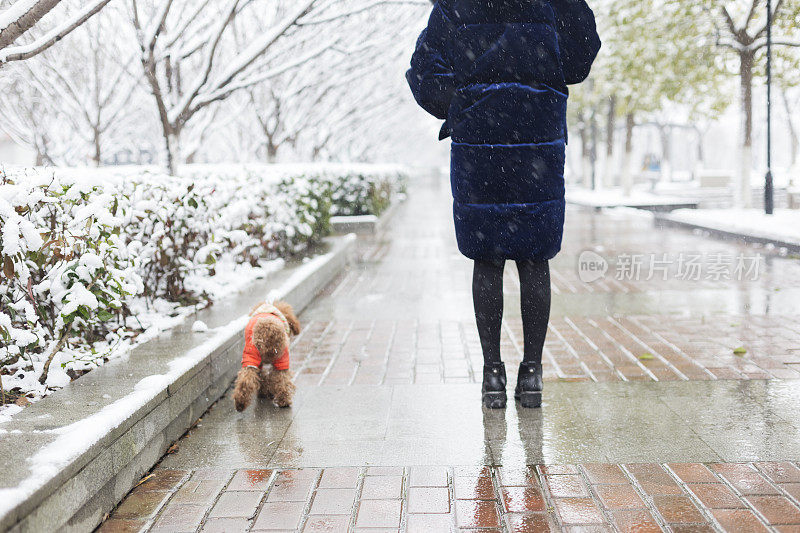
195,54
82,97
741,27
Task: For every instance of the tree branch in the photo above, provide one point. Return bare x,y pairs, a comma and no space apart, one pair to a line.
22,16
19,53
362,9
223,93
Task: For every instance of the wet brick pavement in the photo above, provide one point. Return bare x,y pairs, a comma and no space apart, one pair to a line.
634,497
670,405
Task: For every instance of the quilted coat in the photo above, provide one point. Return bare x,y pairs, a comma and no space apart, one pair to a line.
497,72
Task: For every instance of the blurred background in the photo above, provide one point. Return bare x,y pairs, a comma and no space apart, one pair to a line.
676,101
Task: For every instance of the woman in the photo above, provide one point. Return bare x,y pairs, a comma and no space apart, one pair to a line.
497,72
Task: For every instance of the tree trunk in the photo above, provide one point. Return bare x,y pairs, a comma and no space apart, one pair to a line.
611,124
627,176
42,156
96,158
665,132
272,150
172,148
593,151
586,156
794,141
743,196
701,150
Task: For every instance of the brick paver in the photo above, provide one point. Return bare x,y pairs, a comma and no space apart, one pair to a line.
403,316
596,349
530,498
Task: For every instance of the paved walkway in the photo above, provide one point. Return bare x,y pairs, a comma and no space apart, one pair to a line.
670,404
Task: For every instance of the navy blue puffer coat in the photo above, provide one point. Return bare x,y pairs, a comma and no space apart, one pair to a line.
497,71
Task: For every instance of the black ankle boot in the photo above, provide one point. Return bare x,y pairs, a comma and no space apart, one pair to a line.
529,385
494,386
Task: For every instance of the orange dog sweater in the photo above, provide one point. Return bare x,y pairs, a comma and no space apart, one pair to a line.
251,357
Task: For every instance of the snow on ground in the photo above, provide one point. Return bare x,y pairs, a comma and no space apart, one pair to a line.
784,225
353,219
616,197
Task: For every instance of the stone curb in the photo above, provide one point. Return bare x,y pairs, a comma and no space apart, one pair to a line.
70,458
665,220
363,224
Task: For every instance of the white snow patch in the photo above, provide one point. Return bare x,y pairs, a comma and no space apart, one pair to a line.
199,326
784,225
7,411
353,219
617,198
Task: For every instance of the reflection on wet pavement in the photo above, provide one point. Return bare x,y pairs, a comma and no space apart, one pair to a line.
444,425
669,403
636,497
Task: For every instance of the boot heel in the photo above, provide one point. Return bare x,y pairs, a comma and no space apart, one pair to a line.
493,390
494,400
530,399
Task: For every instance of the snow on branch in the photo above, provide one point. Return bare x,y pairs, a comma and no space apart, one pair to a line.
21,16
362,9
256,79
259,46
26,51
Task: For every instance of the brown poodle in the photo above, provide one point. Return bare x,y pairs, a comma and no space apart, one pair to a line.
267,345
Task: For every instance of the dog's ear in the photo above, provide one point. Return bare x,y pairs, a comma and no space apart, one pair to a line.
253,310
288,312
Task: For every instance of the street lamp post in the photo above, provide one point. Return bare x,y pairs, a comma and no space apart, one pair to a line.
769,189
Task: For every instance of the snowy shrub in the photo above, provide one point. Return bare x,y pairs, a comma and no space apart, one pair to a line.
171,230
66,268
85,256
360,193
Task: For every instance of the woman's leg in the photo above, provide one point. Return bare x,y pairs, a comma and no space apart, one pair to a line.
487,298
534,279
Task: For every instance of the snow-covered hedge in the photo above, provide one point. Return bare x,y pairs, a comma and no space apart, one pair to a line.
91,261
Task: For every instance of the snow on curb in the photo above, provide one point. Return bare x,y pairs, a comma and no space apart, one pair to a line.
70,473
615,198
751,225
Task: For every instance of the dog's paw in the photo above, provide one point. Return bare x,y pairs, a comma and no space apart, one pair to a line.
283,400
280,387
241,403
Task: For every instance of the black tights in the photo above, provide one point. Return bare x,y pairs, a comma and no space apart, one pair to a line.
487,296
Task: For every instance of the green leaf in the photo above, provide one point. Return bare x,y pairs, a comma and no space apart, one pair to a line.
741,350
192,203
104,315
